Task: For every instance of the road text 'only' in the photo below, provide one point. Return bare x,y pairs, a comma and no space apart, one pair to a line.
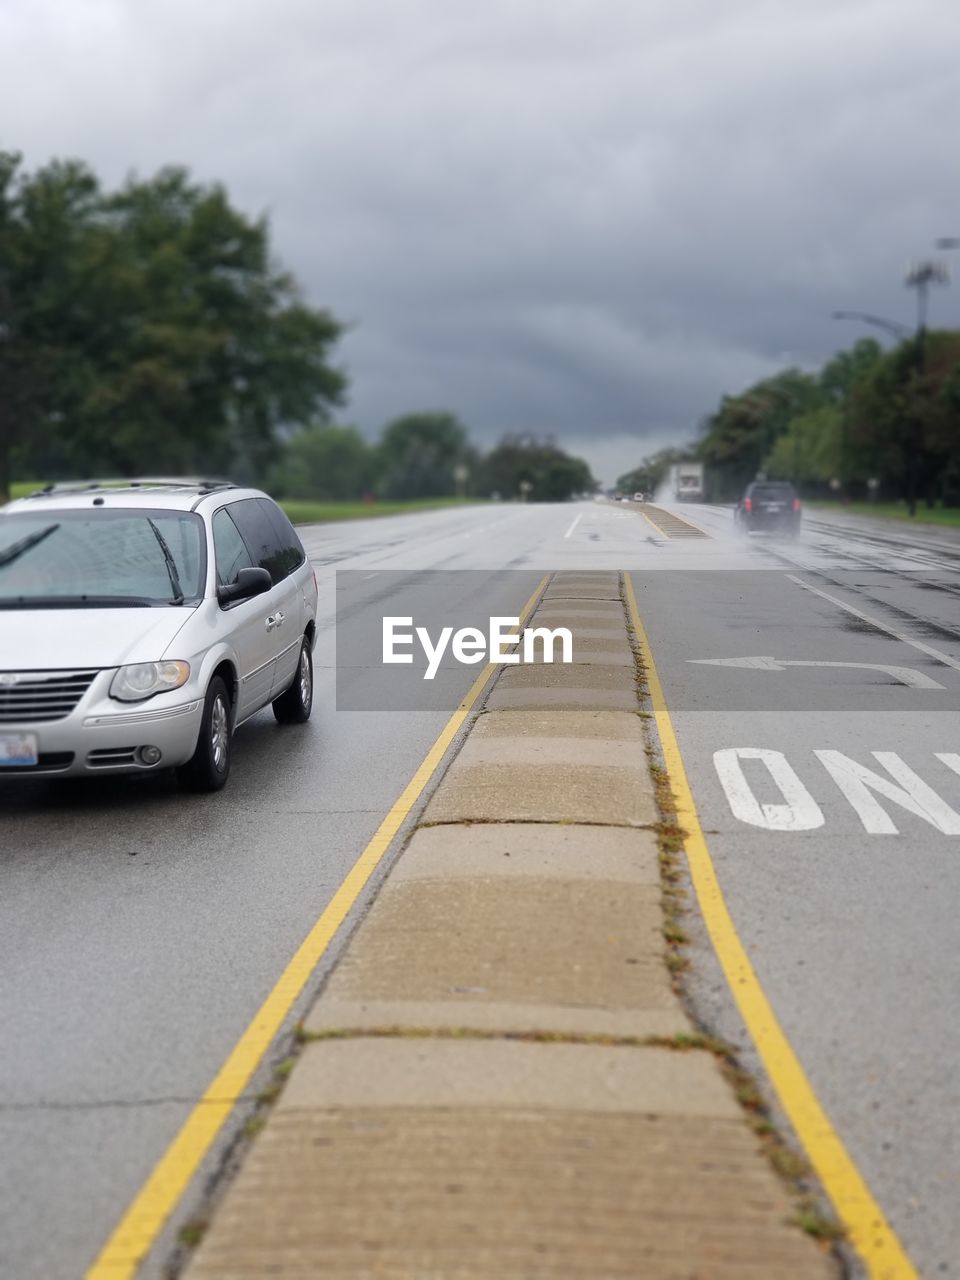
746,771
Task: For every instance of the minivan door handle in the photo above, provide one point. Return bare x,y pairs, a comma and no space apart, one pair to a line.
275,620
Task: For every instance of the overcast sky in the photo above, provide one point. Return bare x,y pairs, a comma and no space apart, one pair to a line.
588,218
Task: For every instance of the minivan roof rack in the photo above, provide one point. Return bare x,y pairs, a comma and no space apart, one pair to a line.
139,482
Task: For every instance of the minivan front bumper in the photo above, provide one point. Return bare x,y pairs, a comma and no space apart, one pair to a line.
101,735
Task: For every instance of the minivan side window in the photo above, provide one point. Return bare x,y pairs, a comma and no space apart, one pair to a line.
292,548
269,544
229,548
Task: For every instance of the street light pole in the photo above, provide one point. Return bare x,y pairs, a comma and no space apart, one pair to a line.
900,331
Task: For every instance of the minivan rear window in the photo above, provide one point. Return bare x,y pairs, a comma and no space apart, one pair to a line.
291,547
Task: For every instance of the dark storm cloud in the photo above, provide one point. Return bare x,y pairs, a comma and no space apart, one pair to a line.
585,218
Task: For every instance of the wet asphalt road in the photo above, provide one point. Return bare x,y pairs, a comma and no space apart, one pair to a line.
139,929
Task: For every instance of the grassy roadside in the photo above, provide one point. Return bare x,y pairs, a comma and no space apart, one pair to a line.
892,511
325,512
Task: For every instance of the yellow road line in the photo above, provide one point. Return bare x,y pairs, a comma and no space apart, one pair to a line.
867,1228
138,1229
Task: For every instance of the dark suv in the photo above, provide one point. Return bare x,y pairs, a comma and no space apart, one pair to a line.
769,506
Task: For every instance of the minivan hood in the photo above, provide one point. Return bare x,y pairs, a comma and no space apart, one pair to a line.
62,639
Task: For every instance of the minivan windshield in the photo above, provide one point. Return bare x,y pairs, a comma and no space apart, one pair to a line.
101,558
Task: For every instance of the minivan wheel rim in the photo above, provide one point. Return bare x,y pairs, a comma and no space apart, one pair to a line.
219,734
306,678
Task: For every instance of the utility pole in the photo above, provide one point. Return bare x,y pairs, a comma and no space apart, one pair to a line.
920,277
844,452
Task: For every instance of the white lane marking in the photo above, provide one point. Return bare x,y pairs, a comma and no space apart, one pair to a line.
906,675
800,812
875,622
857,783
574,525
950,759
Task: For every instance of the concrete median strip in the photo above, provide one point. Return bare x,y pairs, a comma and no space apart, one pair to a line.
498,1078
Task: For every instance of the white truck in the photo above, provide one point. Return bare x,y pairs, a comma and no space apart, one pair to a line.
686,481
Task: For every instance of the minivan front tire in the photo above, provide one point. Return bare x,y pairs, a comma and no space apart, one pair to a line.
209,767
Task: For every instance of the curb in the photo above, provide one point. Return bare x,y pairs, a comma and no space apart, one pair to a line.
498,1078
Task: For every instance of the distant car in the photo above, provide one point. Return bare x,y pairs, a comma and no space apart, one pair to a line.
769,506
143,623
639,497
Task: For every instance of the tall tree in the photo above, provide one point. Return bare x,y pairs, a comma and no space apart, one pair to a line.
418,453
901,419
51,252
740,436
810,451
149,329
325,463
840,375
536,469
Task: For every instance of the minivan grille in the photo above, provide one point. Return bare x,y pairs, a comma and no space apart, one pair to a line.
28,696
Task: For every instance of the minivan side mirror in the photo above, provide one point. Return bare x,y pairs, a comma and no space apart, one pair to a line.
248,583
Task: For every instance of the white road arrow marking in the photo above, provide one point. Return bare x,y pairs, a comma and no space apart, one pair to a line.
903,675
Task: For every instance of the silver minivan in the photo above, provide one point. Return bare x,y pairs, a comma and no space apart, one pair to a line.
141,623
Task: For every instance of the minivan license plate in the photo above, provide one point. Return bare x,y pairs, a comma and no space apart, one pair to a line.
20,750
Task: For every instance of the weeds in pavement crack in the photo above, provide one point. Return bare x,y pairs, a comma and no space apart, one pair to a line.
789,1164
193,1231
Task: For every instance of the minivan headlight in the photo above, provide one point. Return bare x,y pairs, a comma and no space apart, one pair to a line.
144,679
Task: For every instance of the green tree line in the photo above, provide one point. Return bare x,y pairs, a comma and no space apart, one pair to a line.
424,455
869,422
